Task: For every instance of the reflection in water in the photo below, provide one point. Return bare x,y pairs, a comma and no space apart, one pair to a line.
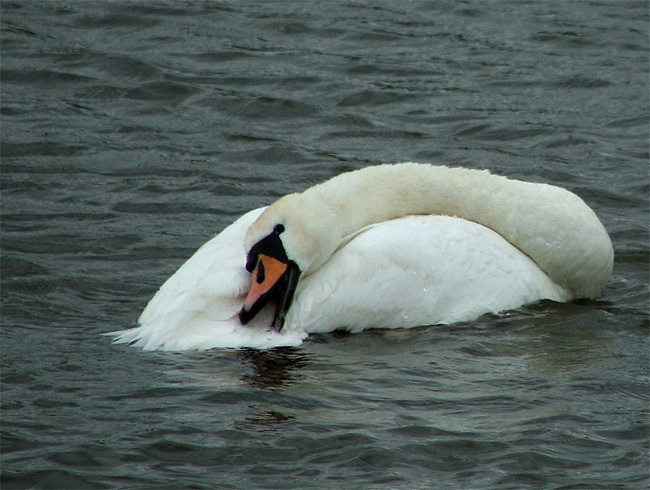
265,418
215,368
564,338
273,368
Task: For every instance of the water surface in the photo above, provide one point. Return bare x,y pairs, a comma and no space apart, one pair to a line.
132,133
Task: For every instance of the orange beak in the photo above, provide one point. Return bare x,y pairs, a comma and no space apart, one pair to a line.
266,274
272,279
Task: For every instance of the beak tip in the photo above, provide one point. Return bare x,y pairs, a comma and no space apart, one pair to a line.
244,315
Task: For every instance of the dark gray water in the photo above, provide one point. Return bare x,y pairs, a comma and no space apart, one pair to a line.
133,132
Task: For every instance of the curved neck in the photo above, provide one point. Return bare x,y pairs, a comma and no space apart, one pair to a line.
553,226
384,192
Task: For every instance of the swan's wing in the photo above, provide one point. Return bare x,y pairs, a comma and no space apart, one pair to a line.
196,308
418,270
214,273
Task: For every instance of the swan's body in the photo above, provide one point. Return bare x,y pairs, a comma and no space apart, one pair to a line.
379,248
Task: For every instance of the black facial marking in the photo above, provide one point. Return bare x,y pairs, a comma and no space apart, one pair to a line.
289,283
270,245
260,272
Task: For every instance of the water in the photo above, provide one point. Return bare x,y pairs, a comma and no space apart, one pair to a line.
131,133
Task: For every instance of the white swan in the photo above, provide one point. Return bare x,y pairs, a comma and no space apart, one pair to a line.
386,246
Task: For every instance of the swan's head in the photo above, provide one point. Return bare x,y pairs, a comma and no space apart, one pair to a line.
294,236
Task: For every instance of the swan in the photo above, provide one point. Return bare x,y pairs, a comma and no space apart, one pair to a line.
387,246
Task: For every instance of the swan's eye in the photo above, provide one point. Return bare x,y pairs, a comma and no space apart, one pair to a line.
271,246
260,272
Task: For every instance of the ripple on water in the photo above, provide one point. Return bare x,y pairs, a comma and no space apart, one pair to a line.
131,137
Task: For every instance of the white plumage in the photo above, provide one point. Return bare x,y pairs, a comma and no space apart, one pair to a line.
387,247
